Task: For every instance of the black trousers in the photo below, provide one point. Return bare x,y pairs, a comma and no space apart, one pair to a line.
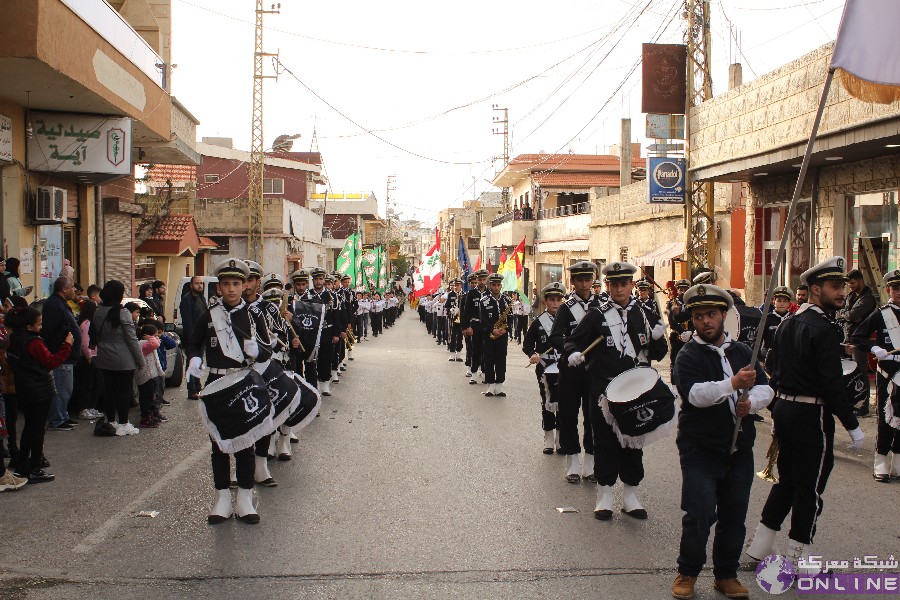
477,349
261,447
441,327
118,389
244,463
326,357
429,323
468,342
493,360
454,342
310,372
887,439
573,398
31,446
805,434
547,385
339,352
675,344
612,461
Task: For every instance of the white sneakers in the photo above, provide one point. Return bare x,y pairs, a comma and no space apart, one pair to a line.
126,429
89,414
763,543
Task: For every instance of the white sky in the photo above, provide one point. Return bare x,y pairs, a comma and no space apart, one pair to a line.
386,64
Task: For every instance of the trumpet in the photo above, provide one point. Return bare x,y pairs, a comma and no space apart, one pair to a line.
351,339
768,474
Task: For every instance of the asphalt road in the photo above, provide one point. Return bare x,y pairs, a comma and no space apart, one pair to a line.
410,484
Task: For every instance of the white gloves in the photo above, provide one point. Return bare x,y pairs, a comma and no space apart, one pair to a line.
685,336
879,352
575,359
856,439
251,348
195,367
658,331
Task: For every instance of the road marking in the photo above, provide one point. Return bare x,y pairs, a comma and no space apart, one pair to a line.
100,534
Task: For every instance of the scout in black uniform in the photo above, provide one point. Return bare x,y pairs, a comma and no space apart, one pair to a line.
284,339
454,342
710,372
544,356
645,296
782,296
573,380
330,330
351,305
494,320
332,285
679,320
884,323
472,280
307,369
632,338
807,378
232,274
472,325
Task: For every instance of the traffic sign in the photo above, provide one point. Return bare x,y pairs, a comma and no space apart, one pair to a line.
660,148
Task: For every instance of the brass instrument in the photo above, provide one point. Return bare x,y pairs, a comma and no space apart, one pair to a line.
501,322
351,339
768,474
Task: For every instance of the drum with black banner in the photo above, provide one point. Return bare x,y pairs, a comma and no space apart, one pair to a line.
308,407
236,410
284,392
639,407
892,406
307,320
855,382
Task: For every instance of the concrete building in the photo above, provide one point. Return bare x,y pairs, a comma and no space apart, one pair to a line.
84,96
466,222
755,136
292,231
345,214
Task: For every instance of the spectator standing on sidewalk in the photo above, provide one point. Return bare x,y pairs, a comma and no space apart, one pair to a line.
88,380
13,279
191,307
58,322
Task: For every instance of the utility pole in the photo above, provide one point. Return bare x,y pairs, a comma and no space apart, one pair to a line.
700,250
388,211
504,131
255,231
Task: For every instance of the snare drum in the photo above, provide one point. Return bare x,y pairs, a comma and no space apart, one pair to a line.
283,390
307,408
639,407
236,410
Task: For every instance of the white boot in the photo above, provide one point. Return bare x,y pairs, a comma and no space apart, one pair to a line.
498,390
797,552
882,471
548,442
763,543
556,440
262,475
895,465
468,372
603,508
244,509
221,512
452,357
489,391
283,450
573,468
326,388
474,377
587,470
632,506
271,450
480,376
294,438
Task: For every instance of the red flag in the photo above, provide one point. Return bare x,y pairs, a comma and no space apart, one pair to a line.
477,264
502,258
519,253
489,265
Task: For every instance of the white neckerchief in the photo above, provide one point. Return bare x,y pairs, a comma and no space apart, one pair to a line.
617,320
228,340
726,366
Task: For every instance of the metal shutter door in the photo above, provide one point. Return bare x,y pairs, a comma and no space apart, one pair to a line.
118,249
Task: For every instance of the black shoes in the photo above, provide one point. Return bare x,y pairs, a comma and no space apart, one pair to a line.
39,476
637,513
603,514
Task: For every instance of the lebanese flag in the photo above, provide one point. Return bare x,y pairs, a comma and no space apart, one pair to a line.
427,277
866,50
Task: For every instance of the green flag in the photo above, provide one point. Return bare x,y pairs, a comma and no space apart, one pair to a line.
346,260
382,270
360,278
369,268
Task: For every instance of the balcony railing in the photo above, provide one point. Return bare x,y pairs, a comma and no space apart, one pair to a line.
513,215
109,24
582,208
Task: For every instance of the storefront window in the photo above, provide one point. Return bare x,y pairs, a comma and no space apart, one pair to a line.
872,233
769,229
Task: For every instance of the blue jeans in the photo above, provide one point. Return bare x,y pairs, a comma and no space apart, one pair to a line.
63,378
714,490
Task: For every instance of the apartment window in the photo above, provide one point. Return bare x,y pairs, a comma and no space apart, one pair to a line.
211,178
273,186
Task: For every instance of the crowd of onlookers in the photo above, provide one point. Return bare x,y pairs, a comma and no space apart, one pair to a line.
76,356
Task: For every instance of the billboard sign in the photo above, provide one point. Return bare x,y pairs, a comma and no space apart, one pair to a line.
665,180
67,143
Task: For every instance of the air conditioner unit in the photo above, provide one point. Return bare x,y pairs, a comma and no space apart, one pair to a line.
51,205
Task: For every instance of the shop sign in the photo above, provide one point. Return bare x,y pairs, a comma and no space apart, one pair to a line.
64,143
665,180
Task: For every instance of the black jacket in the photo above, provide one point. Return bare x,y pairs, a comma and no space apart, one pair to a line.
34,382
191,307
58,321
205,340
470,309
874,323
537,339
491,308
806,360
565,322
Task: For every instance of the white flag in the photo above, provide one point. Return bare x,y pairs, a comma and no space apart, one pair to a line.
866,50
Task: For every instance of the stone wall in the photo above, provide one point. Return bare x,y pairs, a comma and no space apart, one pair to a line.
226,216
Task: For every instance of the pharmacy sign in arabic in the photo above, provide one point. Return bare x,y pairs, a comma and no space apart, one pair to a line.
65,143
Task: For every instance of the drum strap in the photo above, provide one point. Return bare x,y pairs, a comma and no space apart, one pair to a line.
578,311
228,340
546,321
892,326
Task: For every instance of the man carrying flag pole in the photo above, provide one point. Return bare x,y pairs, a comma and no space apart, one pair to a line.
465,267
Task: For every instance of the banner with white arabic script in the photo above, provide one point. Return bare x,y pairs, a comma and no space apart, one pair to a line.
64,143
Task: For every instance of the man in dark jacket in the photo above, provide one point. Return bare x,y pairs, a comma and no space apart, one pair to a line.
861,302
58,322
191,307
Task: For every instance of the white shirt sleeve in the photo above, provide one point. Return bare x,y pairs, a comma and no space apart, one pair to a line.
760,397
708,393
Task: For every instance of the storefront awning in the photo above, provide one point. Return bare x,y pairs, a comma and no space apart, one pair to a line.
661,256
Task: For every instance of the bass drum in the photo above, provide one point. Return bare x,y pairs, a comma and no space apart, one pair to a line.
733,323
856,383
639,407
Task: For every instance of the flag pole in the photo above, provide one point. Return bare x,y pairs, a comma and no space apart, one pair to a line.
784,237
